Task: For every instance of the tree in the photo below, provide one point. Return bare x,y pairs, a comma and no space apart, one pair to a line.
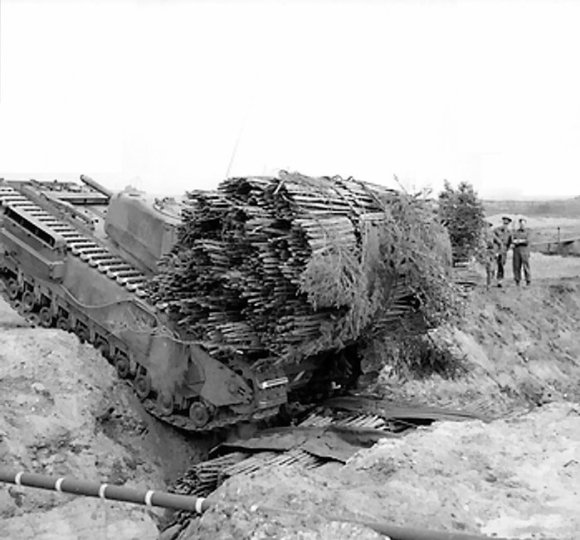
461,211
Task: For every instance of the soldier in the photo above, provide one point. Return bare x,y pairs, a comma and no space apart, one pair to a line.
504,239
521,241
488,252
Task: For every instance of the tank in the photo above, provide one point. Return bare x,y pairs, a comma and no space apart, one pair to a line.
79,257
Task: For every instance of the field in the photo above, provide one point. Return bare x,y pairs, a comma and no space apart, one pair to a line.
546,229
564,208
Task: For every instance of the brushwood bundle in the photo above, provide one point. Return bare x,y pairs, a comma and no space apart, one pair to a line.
293,266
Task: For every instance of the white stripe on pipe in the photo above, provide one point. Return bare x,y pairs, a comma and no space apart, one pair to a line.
148,496
102,490
18,477
58,484
198,504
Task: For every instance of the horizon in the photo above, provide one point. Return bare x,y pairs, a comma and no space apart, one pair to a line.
138,184
174,96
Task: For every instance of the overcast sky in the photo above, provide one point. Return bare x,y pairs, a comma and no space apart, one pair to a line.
175,95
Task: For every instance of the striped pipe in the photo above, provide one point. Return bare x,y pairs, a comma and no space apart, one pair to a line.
200,504
106,491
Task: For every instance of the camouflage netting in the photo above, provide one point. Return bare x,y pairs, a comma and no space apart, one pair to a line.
293,266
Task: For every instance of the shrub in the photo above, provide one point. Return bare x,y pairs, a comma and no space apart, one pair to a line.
461,211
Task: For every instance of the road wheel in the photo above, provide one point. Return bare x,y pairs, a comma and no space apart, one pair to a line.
142,385
104,349
63,323
12,289
83,334
122,365
28,302
198,414
45,317
165,403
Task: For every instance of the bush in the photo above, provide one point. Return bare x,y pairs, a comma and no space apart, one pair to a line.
461,211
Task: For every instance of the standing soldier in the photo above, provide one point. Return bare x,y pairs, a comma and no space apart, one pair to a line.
504,239
521,241
489,252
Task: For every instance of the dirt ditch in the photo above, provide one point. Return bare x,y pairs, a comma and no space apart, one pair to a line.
516,476
63,412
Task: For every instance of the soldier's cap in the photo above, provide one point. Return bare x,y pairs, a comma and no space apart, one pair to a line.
506,218
489,223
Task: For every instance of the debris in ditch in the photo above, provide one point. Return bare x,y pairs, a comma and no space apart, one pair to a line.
327,434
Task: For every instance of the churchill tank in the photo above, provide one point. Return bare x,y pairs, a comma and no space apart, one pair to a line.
79,257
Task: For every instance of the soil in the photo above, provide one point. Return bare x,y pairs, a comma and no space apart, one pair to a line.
62,412
516,476
517,346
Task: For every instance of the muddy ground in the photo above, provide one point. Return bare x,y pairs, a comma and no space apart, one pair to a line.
62,412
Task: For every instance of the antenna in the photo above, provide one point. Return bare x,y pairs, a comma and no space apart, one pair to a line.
242,129
236,144
252,99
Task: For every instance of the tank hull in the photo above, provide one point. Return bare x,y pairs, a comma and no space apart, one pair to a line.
63,274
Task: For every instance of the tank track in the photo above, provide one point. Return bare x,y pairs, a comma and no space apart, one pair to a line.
87,249
220,422
99,256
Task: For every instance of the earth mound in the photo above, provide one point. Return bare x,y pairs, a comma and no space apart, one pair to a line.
64,413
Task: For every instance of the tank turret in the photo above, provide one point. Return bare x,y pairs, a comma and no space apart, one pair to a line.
143,227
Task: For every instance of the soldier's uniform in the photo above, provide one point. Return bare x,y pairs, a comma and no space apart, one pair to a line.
504,240
489,251
521,260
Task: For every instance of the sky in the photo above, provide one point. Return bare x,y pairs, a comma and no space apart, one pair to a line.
175,95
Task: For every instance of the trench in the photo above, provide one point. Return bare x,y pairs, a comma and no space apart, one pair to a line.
544,322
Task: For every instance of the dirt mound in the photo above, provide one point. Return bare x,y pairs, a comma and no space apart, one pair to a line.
517,478
517,347
519,361
63,413
82,519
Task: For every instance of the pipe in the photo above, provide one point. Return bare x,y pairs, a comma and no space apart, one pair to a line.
199,505
412,533
95,185
394,532
146,497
